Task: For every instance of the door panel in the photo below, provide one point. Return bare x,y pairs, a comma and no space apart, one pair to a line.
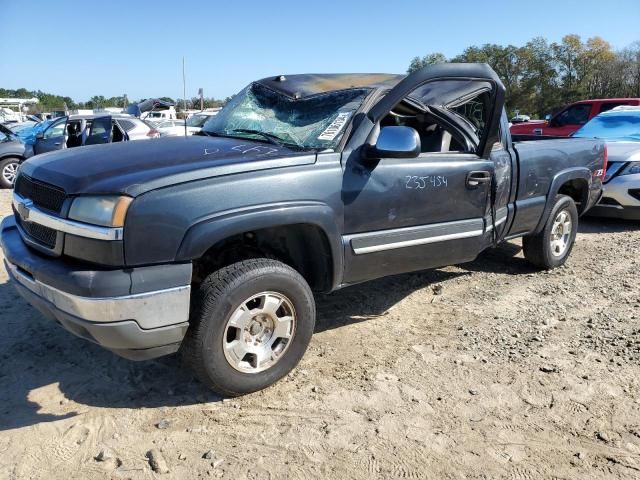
100,132
397,193
411,214
53,137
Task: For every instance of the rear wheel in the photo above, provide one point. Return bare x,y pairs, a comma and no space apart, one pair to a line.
250,325
551,247
8,171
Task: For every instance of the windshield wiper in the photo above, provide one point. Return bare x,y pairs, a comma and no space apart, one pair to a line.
269,137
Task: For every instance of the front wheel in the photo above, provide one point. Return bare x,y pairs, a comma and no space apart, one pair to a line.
8,172
551,247
250,325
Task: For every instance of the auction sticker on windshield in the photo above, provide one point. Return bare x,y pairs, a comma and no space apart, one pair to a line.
335,127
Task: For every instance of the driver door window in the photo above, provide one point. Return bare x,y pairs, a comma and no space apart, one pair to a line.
450,116
55,130
575,115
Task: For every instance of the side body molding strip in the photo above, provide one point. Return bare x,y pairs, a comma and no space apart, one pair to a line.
378,241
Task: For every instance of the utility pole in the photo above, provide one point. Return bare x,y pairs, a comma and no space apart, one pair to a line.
201,94
184,96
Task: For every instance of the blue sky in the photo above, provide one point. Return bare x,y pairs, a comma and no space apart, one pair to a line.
135,47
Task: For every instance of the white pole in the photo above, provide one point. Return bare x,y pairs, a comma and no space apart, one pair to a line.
184,96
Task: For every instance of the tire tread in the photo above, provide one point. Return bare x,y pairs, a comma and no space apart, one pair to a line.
535,247
212,290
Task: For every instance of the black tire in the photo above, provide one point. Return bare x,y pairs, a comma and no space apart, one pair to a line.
218,297
537,248
5,165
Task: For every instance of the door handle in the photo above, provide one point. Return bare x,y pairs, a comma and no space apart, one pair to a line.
56,144
476,178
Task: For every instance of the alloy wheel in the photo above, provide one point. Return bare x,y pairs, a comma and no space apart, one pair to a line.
259,332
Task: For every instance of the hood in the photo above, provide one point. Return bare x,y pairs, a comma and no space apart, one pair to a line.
623,151
618,154
133,168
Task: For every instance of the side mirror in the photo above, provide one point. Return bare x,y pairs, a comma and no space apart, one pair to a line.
547,117
395,142
40,136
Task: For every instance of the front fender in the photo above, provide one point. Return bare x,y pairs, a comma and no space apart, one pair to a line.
204,234
562,177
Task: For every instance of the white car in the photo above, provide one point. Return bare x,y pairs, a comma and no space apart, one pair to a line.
520,119
160,115
168,128
174,128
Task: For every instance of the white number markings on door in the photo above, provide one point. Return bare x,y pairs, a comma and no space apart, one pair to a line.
414,182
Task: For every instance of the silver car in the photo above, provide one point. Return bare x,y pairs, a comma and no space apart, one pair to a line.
620,128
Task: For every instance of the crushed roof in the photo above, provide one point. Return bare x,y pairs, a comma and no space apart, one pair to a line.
298,86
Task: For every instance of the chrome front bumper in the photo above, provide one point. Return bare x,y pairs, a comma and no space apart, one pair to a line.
621,204
149,310
138,313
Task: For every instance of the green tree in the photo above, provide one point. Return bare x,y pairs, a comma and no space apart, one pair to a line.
506,61
420,62
541,77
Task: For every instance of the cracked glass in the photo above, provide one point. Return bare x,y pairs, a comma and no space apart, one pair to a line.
313,122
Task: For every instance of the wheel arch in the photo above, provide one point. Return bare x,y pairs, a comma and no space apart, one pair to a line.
573,182
303,235
4,156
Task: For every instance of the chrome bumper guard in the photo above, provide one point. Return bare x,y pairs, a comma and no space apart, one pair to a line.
149,310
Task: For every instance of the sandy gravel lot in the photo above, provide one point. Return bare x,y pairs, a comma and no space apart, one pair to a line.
505,373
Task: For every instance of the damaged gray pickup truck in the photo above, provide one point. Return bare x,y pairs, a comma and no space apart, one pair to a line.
214,244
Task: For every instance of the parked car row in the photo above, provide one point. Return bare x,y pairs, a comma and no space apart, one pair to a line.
569,119
79,130
23,141
617,123
620,128
32,137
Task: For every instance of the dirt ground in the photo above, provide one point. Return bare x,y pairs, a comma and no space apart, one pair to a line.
484,370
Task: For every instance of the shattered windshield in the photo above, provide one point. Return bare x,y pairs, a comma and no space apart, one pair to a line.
315,122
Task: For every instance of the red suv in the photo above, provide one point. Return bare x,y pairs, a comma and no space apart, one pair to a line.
571,117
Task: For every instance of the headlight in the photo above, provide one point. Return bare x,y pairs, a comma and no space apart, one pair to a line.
632,168
105,211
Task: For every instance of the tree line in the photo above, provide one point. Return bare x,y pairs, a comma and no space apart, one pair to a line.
49,102
540,76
